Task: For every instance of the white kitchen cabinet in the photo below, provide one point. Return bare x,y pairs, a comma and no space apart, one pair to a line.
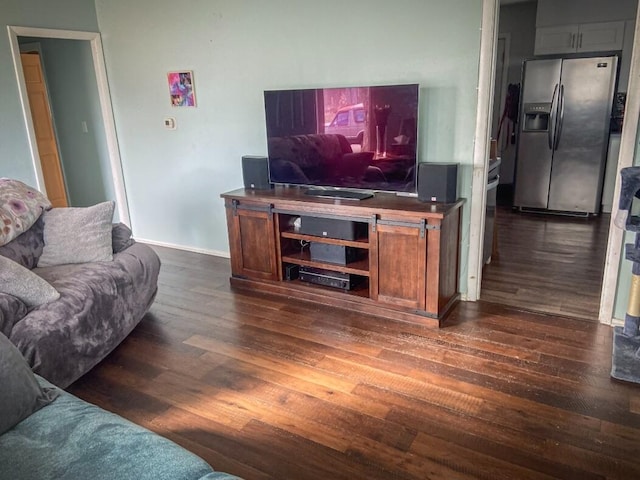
579,38
600,37
560,39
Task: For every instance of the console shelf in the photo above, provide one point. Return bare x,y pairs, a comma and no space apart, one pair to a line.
360,243
360,267
407,267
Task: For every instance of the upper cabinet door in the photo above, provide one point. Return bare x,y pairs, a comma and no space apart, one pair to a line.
561,39
582,38
600,37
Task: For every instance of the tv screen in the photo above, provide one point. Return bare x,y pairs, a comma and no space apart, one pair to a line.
350,138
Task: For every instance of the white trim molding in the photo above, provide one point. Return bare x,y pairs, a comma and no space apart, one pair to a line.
105,106
204,251
486,79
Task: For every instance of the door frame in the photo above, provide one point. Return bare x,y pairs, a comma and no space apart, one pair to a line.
626,157
105,106
484,116
486,78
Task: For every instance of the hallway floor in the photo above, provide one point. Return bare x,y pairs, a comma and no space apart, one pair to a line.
547,263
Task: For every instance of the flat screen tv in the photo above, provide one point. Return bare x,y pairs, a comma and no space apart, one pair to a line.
343,139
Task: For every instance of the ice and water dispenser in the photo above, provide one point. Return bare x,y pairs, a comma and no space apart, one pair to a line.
536,117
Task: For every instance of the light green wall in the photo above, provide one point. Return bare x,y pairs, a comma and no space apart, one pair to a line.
15,158
73,90
237,49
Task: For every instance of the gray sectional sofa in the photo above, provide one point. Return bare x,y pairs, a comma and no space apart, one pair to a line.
72,287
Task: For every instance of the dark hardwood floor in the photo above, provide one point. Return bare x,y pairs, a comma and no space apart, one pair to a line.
548,263
275,388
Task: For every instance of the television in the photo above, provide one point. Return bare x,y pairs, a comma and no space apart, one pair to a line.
342,141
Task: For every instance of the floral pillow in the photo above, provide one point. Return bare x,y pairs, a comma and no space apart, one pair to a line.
20,207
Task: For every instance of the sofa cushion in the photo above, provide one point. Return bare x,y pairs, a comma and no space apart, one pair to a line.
12,310
20,395
21,282
77,235
20,207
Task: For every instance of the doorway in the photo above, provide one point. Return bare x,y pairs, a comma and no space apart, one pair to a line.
45,136
546,263
603,247
112,163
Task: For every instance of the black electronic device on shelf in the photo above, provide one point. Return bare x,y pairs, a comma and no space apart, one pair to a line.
329,278
338,254
333,228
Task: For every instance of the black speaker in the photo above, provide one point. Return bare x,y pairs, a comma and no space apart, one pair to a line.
290,271
438,182
255,172
333,228
338,254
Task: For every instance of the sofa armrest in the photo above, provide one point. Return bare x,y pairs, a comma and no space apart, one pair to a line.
121,237
12,310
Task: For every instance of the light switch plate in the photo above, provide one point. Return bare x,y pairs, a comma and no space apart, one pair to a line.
170,123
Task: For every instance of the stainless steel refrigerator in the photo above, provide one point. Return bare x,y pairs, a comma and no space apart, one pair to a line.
563,133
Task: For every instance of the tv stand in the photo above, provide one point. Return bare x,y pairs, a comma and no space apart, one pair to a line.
340,194
408,252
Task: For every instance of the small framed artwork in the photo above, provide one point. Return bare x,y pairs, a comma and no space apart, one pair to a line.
181,89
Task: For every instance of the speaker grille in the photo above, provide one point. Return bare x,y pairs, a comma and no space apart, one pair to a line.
255,172
438,182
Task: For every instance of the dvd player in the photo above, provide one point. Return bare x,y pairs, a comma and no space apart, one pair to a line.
329,278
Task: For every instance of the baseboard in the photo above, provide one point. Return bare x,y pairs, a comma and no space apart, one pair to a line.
215,253
617,322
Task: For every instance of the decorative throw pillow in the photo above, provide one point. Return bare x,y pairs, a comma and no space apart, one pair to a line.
121,237
20,395
20,207
77,235
24,284
26,248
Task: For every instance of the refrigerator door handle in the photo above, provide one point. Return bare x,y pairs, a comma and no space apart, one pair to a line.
560,118
552,119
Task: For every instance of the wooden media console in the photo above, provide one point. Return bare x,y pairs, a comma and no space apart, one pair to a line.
405,263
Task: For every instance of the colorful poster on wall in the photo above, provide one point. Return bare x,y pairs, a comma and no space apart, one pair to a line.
181,89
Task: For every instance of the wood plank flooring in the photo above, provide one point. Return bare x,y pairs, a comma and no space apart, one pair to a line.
548,263
275,388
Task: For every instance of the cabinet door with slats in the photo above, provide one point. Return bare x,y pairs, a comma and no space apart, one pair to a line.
398,257
252,242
